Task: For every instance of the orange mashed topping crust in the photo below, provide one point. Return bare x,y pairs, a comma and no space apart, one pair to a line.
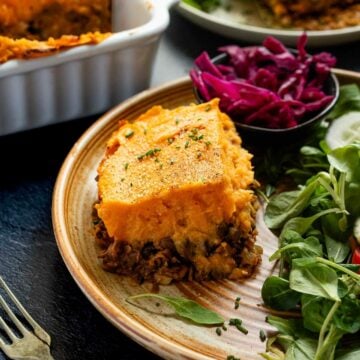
33,28
182,176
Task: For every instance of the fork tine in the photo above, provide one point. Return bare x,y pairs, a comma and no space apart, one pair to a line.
39,331
8,331
2,343
12,316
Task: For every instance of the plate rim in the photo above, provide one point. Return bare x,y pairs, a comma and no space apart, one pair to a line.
136,331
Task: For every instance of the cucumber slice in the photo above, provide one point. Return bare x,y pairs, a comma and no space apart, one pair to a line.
357,230
344,130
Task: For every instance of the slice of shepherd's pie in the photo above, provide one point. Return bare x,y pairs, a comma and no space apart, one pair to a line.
176,199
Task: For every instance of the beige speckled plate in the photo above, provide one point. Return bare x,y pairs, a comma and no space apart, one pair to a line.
167,336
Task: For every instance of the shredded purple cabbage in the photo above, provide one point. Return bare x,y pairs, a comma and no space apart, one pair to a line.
268,85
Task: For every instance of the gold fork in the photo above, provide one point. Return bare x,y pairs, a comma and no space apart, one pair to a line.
31,345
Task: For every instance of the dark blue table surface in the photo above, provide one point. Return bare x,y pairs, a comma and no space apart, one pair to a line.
29,258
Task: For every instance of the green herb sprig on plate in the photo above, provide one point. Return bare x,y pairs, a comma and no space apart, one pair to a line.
186,308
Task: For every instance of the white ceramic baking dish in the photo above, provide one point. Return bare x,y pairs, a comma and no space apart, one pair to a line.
85,80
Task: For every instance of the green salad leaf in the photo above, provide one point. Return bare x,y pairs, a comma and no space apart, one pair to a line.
288,204
307,276
315,223
349,100
314,310
301,349
337,251
277,294
205,5
186,308
352,353
347,160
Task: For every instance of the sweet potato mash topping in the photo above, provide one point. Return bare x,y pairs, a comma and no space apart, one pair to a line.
29,49
178,183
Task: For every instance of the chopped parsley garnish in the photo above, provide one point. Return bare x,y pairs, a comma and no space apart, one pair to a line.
129,133
187,144
235,322
232,357
126,166
149,153
208,108
238,324
262,335
237,302
194,135
207,143
152,152
170,140
218,331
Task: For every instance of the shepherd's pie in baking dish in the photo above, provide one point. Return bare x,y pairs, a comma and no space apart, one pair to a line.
33,28
176,198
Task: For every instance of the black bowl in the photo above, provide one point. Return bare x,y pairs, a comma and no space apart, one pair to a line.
266,135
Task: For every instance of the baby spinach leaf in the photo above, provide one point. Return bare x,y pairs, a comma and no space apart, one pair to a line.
349,100
314,310
342,268
311,151
352,267
347,160
302,349
303,224
277,294
352,195
292,327
290,236
205,5
347,316
343,288
187,309
287,205
278,206
309,277
284,341
337,251
348,354
308,247
330,227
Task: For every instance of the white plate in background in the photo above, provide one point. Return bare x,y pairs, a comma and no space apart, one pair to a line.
243,23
